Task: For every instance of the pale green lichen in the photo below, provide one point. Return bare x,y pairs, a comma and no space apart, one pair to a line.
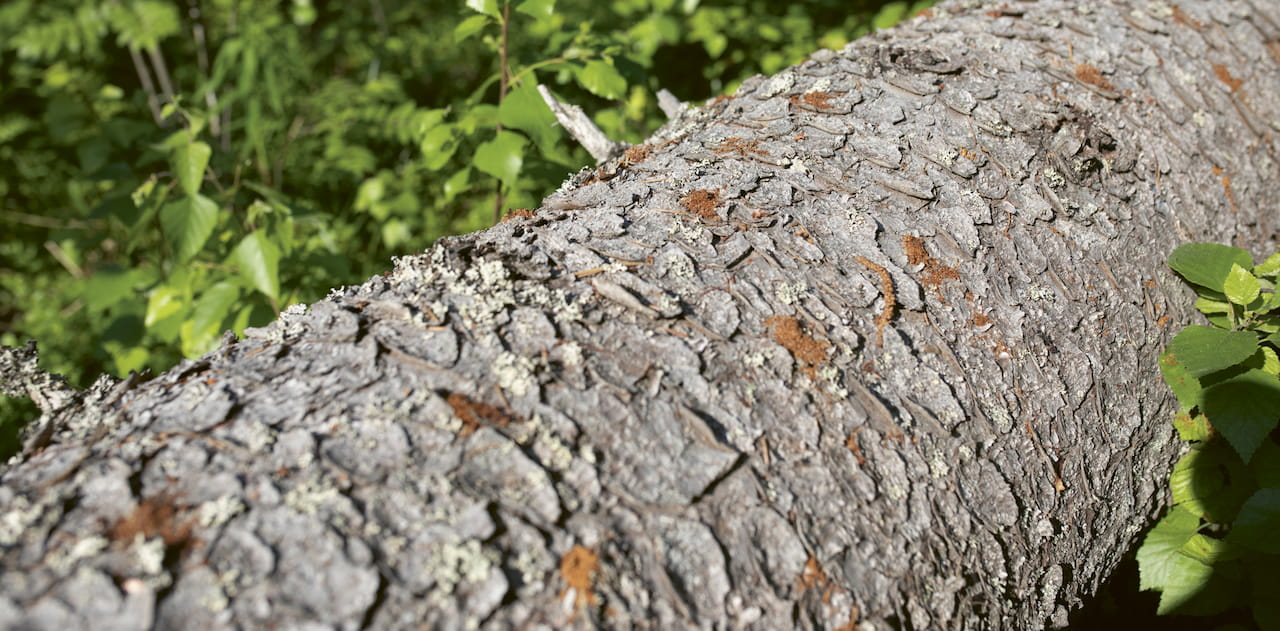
16,520
790,293
64,558
147,554
513,373
309,496
215,513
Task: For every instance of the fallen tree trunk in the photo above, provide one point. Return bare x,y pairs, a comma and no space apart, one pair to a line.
872,341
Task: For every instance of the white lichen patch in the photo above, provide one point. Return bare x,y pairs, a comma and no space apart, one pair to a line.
753,359
831,375
215,513
780,83
458,562
570,354
686,230
1053,178
513,373
17,519
895,492
147,554
310,496
1039,293
790,293
679,265
63,558
938,467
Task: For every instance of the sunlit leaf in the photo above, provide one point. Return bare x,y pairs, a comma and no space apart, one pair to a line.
258,260
187,223
502,157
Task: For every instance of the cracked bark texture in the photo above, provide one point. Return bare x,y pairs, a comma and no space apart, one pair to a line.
870,342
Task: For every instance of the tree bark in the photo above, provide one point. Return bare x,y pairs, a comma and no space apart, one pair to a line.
870,342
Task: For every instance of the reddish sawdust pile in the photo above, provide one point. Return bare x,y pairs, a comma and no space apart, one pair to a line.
805,348
522,213
576,568
702,203
1224,76
740,147
816,100
934,271
473,413
152,517
1092,76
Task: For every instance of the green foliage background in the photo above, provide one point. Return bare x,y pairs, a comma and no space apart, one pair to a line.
173,169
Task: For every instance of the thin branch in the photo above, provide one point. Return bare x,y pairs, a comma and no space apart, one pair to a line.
576,122
144,77
162,72
502,95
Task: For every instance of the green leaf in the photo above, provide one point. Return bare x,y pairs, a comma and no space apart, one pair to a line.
538,9
1266,465
1240,286
1208,264
189,163
1185,387
469,27
1203,350
1258,525
525,110
889,14
1161,547
602,79
201,333
164,302
112,284
1192,427
1191,589
1208,550
1210,482
1244,409
502,157
437,146
259,259
1269,267
487,7
187,224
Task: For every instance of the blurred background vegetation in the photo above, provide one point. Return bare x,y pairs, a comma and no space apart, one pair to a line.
173,169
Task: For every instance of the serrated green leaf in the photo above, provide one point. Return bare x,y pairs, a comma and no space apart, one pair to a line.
200,334
1191,589
525,110
111,284
1210,482
1244,409
1269,267
1207,306
164,302
1203,350
602,79
537,9
1266,465
502,157
487,7
187,224
1207,264
1258,525
470,26
1209,550
1241,287
1160,548
1185,387
258,260
1192,427
437,146
1270,361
